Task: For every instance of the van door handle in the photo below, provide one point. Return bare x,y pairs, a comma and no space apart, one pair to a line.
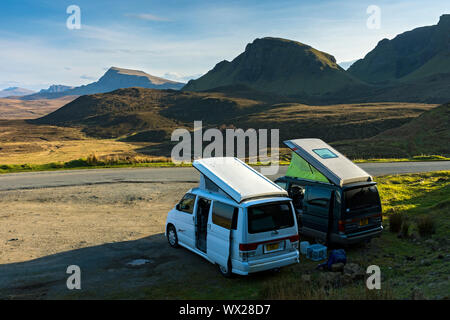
181,230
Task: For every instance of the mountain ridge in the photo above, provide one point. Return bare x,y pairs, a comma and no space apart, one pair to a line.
113,79
393,60
281,66
15,92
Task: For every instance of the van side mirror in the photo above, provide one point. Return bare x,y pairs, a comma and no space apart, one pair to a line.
177,207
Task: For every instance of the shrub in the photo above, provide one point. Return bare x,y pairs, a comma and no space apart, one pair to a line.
92,160
76,163
395,222
289,289
426,226
404,230
297,289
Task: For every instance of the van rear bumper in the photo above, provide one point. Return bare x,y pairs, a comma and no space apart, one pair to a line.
356,237
244,268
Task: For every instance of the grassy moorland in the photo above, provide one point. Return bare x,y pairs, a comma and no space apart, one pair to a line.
94,162
427,134
137,114
133,126
26,109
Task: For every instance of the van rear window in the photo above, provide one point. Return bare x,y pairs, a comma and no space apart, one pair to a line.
270,216
361,198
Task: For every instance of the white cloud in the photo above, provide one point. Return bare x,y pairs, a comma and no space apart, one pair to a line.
146,16
86,77
175,76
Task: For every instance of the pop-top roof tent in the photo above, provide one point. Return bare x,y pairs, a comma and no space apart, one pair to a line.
314,159
236,179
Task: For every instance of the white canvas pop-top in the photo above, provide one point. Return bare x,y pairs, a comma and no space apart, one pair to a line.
337,168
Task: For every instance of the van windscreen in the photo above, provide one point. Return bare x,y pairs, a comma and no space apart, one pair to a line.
270,216
360,198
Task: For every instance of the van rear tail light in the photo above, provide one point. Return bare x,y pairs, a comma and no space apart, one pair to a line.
248,246
341,226
294,238
245,254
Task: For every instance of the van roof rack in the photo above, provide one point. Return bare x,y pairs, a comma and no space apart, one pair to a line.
236,179
329,162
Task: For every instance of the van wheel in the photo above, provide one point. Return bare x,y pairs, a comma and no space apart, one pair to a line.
172,237
225,271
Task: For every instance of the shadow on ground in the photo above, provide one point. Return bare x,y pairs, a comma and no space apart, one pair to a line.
105,270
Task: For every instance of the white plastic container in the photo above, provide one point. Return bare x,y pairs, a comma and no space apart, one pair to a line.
303,247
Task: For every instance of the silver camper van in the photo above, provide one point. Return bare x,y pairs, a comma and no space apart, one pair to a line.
336,201
236,218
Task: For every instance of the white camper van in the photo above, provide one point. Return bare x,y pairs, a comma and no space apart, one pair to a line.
236,218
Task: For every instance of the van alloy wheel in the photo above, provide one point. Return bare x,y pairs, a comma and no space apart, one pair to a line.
172,237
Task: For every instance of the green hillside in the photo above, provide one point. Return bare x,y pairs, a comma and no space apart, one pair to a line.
128,111
427,134
149,115
419,52
439,64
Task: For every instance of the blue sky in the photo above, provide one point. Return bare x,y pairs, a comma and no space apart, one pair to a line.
183,39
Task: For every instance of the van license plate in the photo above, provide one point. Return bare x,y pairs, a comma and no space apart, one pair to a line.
272,247
363,222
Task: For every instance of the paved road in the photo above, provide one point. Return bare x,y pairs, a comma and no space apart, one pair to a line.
31,180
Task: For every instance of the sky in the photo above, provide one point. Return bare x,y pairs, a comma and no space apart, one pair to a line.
183,39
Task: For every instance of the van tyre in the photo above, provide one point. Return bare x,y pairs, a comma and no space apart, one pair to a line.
172,236
225,271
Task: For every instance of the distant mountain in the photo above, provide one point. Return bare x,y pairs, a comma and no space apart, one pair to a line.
15,91
279,66
56,88
412,55
346,64
114,78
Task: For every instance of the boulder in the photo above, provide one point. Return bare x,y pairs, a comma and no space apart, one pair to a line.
337,267
346,279
354,270
333,278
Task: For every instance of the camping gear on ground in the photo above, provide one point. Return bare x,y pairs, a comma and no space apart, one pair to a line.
336,201
236,218
304,246
336,256
316,252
